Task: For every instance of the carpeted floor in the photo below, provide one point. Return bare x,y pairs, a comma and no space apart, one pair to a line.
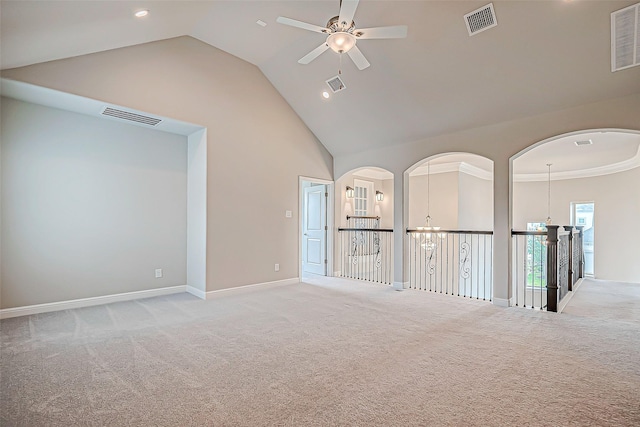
327,354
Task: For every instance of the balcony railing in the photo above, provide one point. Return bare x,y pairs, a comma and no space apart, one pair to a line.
453,262
547,265
366,251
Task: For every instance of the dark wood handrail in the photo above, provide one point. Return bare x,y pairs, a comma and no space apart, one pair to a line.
362,217
528,233
384,230
413,230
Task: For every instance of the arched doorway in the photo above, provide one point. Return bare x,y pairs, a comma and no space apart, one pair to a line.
450,217
582,183
364,234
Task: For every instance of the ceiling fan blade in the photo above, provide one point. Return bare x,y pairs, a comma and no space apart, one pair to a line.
358,58
313,54
300,24
347,10
395,32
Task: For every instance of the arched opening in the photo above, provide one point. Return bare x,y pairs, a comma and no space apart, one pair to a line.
581,189
364,219
450,216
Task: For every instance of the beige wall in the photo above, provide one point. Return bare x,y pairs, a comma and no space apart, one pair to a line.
90,207
617,210
443,200
257,145
458,201
475,203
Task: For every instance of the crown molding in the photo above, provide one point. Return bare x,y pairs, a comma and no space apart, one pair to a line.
454,167
618,167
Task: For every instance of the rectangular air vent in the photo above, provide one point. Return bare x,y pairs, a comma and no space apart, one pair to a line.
625,38
480,19
584,142
336,84
132,117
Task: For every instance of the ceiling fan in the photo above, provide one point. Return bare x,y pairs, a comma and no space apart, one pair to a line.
342,34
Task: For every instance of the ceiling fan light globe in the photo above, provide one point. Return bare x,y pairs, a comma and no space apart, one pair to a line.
341,42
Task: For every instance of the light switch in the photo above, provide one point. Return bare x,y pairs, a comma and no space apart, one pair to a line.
287,214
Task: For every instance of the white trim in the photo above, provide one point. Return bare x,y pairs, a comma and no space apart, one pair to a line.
88,302
196,292
330,221
399,286
337,273
463,167
265,285
371,173
623,166
501,302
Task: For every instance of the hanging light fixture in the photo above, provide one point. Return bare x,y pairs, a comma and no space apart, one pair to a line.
429,233
548,221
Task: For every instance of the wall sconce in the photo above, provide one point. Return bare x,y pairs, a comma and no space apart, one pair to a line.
379,196
350,192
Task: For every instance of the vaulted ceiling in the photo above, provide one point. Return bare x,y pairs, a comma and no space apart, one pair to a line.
542,56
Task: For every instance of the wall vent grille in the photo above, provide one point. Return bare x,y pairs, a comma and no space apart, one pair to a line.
336,84
132,117
585,142
480,19
625,38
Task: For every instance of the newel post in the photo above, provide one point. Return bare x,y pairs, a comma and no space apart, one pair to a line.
569,228
552,268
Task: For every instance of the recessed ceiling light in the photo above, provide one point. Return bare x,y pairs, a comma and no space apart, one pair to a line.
141,13
261,23
325,94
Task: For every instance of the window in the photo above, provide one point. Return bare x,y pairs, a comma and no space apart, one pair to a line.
363,195
536,257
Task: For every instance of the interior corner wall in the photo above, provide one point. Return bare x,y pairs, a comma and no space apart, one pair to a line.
257,146
90,206
197,211
475,203
617,209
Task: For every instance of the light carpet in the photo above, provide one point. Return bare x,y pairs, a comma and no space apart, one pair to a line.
331,353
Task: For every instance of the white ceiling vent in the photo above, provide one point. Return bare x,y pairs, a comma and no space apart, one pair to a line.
132,117
481,19
584,142
336,84
625,38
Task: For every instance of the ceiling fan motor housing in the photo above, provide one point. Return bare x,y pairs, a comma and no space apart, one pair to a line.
334,26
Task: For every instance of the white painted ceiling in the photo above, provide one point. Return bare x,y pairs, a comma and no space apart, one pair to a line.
542,56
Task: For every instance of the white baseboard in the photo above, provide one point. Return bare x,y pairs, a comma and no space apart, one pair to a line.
502,302
87,302
265,285
398,286
196,292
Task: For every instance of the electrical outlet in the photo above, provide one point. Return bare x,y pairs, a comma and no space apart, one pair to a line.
287,214
158,273
277,267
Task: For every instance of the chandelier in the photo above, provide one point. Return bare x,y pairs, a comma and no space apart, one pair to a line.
429,234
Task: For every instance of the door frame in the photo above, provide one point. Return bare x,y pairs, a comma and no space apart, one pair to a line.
572,220
330,221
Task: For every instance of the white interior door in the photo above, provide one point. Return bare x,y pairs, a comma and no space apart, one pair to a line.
314,230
